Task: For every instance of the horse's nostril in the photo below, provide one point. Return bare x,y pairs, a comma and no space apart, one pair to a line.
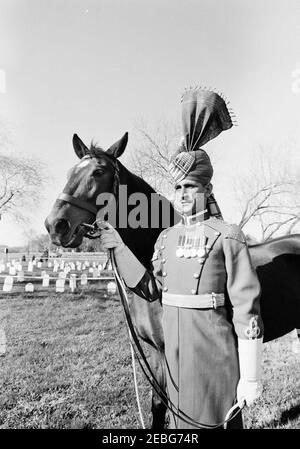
62,226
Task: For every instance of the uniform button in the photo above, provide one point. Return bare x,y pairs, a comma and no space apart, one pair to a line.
163,260
162,247
217,233
164,236
193,292
164,274
196,275
165,289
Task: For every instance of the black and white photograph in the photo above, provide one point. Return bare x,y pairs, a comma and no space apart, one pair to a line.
149,218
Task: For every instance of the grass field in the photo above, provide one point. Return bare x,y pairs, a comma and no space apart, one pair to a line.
68,365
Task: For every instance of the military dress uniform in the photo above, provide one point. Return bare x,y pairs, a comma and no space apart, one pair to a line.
209,290
203,275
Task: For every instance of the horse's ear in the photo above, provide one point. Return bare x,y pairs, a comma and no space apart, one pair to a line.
117,149
79,147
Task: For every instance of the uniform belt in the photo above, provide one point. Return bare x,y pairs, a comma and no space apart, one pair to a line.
206,301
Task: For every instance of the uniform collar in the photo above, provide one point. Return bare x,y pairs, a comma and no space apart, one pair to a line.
189,220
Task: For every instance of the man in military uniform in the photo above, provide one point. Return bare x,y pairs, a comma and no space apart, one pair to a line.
202,274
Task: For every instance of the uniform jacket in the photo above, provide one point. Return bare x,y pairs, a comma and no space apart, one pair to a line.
226,268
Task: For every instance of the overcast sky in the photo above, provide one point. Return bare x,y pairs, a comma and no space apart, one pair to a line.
95,67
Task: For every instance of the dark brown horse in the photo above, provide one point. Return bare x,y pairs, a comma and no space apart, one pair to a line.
277,262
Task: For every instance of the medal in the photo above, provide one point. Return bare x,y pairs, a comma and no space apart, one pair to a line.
201,252
179,251
187,253
193,252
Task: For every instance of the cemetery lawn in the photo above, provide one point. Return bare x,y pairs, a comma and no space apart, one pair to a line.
68,365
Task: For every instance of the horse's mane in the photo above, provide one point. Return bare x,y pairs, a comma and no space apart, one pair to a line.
96,151
140,240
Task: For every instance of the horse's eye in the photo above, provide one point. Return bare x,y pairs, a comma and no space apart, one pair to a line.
98,172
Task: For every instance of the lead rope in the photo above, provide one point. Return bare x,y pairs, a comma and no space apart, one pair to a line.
122,286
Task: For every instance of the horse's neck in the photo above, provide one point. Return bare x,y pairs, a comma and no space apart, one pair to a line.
140,240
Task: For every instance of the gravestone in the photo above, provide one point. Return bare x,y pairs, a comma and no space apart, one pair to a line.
29,287
2,342
111,287
46,278
12,271
83,279
60,285
72,282
8,284
20,277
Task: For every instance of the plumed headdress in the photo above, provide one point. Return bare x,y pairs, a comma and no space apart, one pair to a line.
205,114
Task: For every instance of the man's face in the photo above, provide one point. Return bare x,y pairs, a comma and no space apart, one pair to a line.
190,197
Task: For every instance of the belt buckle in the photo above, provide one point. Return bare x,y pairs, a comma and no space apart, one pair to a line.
214,300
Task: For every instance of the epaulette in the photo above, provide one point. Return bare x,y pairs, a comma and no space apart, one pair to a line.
236,233
229,230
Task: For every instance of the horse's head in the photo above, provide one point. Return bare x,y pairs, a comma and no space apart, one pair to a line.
94,174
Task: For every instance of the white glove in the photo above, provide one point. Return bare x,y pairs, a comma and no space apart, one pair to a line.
111,239
129,266
248,391
250,353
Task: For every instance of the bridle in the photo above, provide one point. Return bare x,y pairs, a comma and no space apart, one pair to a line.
91,230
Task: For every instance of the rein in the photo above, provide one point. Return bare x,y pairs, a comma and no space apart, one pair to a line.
93,231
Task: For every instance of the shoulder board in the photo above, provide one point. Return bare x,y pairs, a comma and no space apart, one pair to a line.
236,233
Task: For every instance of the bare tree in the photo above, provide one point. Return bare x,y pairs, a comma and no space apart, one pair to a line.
21,185
151,153
269,194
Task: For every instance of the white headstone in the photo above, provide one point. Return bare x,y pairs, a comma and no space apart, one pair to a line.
29,287
111,287
62,275
49,264
72,282
8,283
60,285
30,267
96,273
19,267
61,265
90,270
34,262
20,277
55,268
83,279
100,267
2,342
94,264
39,264
12,271
46,278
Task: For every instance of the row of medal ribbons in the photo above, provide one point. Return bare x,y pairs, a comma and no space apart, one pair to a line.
192,244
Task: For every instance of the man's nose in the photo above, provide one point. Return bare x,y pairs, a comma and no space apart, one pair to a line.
183,193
